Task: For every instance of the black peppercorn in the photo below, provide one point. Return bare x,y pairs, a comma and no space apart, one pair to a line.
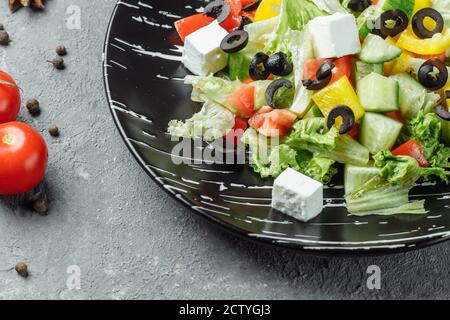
22,269
4,38
53,130
40,206
58,63
61,50
33,107
2,27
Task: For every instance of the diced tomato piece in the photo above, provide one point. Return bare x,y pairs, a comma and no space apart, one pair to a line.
343,67
440,57
235,134
243,100
234,19
190,24
354,133
396,115
273,122
414,150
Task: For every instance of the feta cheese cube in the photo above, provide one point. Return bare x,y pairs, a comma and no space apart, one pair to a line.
297,195
335,36
202,54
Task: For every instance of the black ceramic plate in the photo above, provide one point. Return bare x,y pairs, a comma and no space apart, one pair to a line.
143,79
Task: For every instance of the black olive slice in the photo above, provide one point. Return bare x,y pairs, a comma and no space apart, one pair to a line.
272,89
419,27
325,70
359,5
395,16
324,75
443,113
347,115
278,64
219,10
431,80
244,21
234,41
252,6
257,73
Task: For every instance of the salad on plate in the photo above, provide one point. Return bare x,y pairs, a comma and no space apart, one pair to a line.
315,84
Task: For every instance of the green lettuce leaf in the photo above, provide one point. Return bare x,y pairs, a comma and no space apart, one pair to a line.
301,49
312,134
270,159
426,129
211,122
213,89
316,167
330,6
294,15
388,193
397,170
218,90
260,32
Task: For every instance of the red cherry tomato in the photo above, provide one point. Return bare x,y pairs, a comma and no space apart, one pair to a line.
235,134
23,158
9,98
414,150
343,67
243,100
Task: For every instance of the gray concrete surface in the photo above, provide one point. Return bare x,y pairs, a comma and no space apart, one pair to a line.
129,238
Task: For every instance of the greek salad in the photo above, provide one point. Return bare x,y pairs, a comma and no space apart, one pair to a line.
319,83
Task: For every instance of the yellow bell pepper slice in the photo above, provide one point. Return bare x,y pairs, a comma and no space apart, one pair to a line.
410,42
399,65
268,9
340,92
421,4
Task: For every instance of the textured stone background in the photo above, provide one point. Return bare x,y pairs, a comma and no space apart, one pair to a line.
130,239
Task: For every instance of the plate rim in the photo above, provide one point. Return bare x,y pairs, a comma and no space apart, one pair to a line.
319,248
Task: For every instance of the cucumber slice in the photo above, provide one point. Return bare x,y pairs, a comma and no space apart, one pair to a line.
378,93
362,69
413,97
379,132
356,176
377,50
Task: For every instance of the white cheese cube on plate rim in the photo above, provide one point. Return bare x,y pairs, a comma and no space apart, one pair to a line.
335,35
297,195
202,54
